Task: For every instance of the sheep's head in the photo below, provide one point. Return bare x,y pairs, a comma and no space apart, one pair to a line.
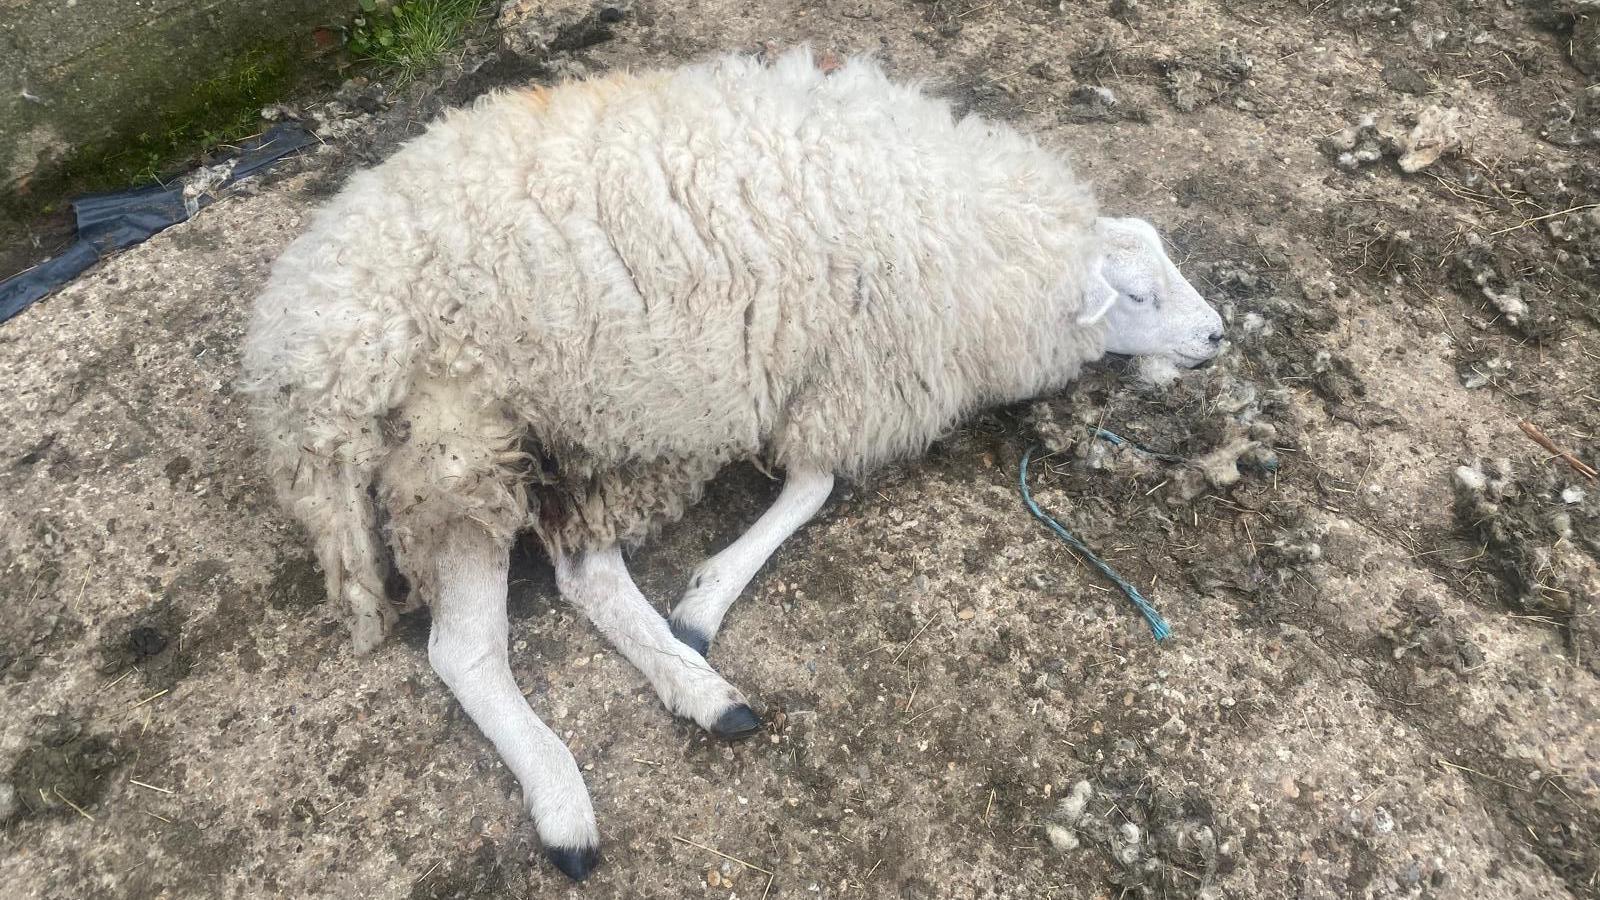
1148,306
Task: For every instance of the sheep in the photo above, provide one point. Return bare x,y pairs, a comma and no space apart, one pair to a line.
565,310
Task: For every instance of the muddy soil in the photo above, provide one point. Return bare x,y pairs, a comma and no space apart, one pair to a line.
1383,680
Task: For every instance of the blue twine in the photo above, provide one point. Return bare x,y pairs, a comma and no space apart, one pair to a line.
1158,625
1118,440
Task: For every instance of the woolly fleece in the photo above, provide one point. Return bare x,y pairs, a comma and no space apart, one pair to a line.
567,309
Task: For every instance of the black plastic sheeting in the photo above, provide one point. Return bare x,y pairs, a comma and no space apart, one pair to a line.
110,222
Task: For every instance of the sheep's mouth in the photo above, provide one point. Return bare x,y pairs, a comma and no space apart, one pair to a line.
1193,362
1181,360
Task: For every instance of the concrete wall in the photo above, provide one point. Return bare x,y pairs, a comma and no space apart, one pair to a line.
83,73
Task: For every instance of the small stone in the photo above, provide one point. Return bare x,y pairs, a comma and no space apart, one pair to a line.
1289,788
1094,95
966,614
714,878
8,801
1435,135
1382,821
1410,876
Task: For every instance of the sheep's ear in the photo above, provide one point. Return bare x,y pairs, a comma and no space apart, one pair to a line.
1098,297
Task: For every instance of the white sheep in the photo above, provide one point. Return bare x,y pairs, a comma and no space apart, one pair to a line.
567,309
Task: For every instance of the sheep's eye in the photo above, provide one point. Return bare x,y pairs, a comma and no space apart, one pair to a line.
1138,298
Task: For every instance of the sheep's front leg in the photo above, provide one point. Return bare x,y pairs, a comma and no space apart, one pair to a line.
721,579
598,583
467,647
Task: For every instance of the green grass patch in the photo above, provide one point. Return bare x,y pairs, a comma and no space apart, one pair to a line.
410,37
220,110
402,41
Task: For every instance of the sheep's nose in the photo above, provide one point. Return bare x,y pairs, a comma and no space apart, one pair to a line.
1215,338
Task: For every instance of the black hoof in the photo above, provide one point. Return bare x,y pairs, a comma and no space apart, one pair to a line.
737,724
692,638
574,862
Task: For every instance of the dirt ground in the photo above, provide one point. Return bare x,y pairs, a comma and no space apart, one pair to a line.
1385,678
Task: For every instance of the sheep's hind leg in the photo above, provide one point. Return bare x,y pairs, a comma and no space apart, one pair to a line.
598,583
721,579
467,647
